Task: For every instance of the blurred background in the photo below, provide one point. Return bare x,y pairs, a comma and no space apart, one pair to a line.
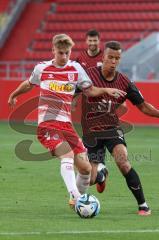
27,28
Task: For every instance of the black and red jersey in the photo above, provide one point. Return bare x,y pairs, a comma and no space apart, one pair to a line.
87,61
99,113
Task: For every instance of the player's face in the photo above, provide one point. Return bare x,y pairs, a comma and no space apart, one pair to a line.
111,59
61,55
93,43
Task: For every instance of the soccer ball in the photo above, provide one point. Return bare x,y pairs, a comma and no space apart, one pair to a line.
87,206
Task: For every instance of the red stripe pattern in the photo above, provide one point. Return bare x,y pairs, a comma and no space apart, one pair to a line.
87,61
100,112
57,87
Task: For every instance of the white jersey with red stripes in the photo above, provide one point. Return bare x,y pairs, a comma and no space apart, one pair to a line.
57,87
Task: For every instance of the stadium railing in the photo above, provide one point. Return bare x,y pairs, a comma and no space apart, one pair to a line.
16,70
21,70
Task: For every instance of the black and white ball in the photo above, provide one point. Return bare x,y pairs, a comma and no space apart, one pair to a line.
87,206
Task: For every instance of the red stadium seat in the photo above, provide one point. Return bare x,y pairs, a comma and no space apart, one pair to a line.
128,16
116,21
80,36
104,7
102,26
126,21
103,1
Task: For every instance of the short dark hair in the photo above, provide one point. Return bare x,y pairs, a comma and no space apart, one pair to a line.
92,33
115,45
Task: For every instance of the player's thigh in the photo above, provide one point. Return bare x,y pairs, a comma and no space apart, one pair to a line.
53,140
63,150
74,141
97,151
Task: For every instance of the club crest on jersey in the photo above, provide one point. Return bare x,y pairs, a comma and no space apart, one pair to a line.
71,76
50,75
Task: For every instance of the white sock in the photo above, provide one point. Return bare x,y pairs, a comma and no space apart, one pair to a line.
143,205
82,182
68,174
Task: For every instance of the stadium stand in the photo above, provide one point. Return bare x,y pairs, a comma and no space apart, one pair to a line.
29,42
127,21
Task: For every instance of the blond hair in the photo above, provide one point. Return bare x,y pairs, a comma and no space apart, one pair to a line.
62,41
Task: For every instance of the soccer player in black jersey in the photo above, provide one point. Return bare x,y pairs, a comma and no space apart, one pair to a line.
93,57
101,125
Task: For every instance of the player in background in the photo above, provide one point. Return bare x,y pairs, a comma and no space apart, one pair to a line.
57,80
101,125
93,57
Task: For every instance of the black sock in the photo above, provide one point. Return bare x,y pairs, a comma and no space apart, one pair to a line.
134,184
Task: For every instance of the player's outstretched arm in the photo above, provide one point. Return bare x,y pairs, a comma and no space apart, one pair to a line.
95,92
22,88
148,109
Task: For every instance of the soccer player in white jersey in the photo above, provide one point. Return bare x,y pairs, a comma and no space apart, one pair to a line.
57,80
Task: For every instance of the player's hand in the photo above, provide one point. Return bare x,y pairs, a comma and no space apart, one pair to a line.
12,101
114,92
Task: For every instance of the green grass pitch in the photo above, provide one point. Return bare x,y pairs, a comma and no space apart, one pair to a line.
34,201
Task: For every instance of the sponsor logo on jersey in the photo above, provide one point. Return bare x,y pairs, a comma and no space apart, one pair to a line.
61,87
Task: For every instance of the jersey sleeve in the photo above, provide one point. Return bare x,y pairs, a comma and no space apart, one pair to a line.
83,81
35,76
134,95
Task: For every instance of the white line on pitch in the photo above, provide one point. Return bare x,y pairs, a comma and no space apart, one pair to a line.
81,232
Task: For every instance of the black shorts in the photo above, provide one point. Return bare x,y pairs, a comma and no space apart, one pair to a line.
96,145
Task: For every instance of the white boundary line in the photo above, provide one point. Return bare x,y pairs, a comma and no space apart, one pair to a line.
80,232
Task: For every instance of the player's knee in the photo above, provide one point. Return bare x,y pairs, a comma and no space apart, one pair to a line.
88,168
82,163
122,162
85,168
124,167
